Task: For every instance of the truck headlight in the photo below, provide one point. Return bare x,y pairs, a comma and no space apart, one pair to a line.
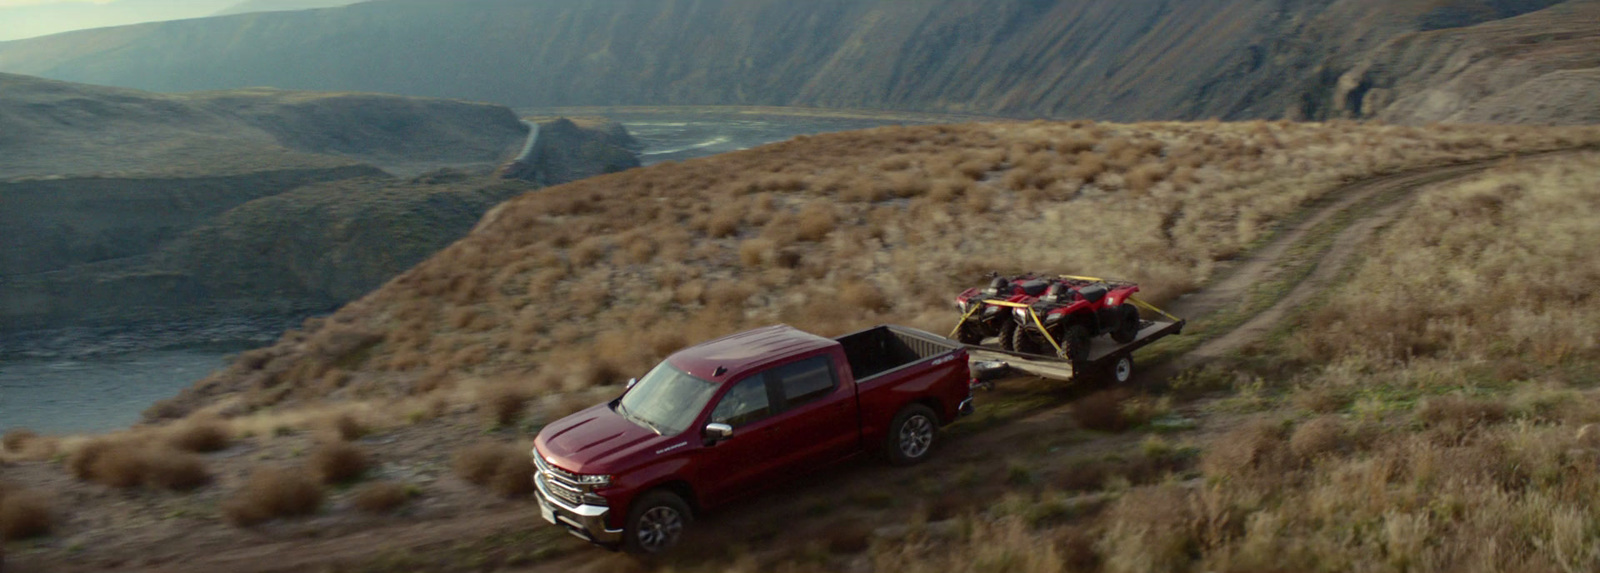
594,480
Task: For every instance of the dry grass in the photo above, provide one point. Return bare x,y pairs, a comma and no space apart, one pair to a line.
24,514
273,493
16,439
200,435
339,462
804,231
504,406
381,497
503,468
133,462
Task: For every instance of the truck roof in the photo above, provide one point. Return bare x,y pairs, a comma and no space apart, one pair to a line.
731,357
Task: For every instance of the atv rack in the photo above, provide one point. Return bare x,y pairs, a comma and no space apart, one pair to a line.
1101,356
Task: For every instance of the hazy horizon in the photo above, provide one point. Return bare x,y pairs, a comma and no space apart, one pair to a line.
22,19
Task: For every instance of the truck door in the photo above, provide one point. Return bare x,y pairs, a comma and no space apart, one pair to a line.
740,465
818,424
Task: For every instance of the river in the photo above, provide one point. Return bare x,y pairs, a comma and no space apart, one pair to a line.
98,380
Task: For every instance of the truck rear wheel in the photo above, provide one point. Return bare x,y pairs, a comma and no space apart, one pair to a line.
911,435
656,522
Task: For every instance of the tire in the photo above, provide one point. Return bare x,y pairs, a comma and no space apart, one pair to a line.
1008,331
1075,345
656,522
1120,371
1024,342
912,435
968,334
1127,324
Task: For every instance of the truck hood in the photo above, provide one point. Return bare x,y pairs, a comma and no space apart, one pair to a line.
598,441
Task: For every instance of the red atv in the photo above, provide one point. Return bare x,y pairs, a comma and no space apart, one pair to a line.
992,321
1072,312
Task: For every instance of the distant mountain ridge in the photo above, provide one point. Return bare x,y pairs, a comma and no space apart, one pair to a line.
253,6
1105,59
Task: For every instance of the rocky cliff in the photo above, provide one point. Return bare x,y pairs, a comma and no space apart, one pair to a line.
118,205
1109,59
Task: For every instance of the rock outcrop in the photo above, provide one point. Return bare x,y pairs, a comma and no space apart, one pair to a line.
563,150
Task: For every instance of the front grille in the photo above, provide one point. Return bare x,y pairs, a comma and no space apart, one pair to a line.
561,484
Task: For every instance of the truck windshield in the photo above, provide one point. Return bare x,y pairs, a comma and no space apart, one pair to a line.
666,400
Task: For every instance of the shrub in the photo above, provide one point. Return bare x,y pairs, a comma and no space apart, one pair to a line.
1252,450
24,515
1460,412
504,405
864,295
503,468
1101,411
339,462
200,436
173,470
272,493
381,497
478,463
1319,436
122,466
348,428
514,477
16,439
816,222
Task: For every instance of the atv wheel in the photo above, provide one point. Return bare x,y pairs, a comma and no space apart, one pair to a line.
969,334
1128,326
1023,341
1008,332
1075,344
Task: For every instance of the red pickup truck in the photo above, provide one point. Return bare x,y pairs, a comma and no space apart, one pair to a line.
732,417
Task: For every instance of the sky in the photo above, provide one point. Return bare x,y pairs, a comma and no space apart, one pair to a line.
28,18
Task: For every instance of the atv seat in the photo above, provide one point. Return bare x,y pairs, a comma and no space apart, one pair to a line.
1093,293
1035,287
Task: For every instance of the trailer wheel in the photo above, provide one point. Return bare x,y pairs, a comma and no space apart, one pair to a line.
656,522
911,435
1008,331
1127,324
1121,371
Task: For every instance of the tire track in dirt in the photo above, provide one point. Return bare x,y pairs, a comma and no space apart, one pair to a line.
1230,290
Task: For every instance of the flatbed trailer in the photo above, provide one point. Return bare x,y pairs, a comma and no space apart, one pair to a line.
1106,358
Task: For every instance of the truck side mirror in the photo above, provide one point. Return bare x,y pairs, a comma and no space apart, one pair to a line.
716,431
631,382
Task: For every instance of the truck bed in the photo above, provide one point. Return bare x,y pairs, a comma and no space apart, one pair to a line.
885,349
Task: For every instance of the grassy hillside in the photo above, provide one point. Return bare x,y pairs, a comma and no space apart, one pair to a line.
1384,387
1103,59
1434,413
596,280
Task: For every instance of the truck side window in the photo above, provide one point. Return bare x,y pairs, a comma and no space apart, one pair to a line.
804,381
746,402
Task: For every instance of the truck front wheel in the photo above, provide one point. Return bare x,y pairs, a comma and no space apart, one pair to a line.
911,435
656,522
